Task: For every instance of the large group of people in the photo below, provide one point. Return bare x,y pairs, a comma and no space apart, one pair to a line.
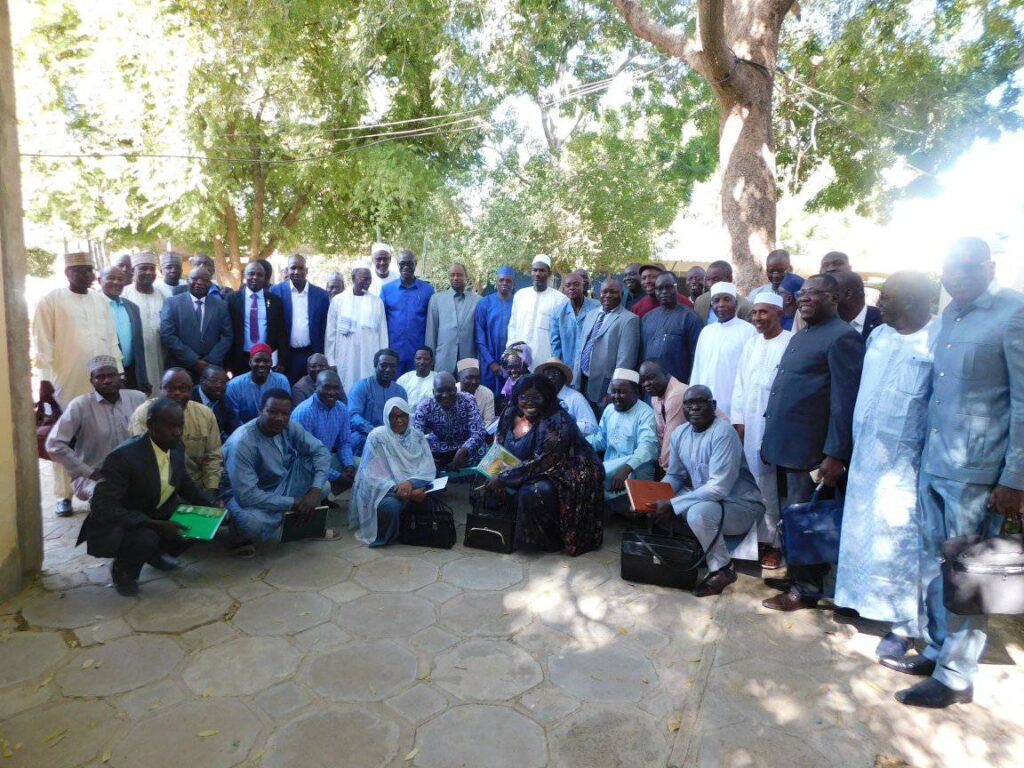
273,399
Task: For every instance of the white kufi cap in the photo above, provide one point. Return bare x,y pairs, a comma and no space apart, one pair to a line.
625,374
542,258
768,297
723,287
381,247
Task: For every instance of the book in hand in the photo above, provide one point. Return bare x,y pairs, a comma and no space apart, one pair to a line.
644,493
198,522
496,461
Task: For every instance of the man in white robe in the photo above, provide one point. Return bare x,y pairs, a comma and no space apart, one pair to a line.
71,326
170,279
757,366
356,329
720,346
380,257
532,309
879,553
149,301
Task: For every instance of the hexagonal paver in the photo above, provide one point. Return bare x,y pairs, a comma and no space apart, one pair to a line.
120,666
310,571
25,655
396,574
371,671
198,734
282,613
480,734
178,610
349,737
598,736
76,608
607,673
242,667
486,670
488,614
483,573
395,614
418,703
63,735
580,575
211,568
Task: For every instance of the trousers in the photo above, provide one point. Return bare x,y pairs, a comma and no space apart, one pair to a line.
703,519
797,487
139,546
949,509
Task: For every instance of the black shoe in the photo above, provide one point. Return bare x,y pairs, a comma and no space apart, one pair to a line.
932,694
918,665
125,585
715,582
63,508
893,646
775,582
164,562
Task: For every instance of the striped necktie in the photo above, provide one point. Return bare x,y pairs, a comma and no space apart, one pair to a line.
588,348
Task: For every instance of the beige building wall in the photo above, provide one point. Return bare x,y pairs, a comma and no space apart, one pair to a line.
21,540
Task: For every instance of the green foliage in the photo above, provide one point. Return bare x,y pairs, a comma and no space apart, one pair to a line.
39,262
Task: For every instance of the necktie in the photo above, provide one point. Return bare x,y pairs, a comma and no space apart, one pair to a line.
199,313
254,321
588,348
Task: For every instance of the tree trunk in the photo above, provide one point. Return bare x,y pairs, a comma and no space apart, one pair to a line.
234,248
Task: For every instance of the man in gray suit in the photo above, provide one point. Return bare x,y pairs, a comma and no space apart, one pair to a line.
608,339
195,328
450,321
133,350
972,469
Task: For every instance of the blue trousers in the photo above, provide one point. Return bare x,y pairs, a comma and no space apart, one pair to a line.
389,513
950,509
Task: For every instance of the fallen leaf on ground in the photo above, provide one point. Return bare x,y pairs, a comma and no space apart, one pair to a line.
88,663
675,722
211,732
105,757
623,631
412,753
207,693
645,680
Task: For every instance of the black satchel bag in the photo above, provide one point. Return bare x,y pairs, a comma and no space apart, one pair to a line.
665,561
491,524
983,576
430,524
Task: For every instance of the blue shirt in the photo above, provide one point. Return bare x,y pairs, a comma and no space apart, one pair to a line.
492,316
124,330
244,393
261,314
627,437
366,404
330,426
406,309
565,329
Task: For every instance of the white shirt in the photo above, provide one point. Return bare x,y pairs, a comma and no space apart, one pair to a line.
531,319
377,282
417,388
719,351
300,316
858,321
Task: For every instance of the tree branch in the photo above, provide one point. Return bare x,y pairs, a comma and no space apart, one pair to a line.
664,39
719,62
287,222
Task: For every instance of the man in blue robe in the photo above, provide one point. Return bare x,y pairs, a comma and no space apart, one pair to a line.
492,317
405,305
366,401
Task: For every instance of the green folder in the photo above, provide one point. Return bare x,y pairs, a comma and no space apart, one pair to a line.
200,522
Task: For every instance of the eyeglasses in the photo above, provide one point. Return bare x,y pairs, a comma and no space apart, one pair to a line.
810,292
696,402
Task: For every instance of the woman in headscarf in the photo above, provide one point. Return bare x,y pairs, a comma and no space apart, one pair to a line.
559,484
515,363
395,467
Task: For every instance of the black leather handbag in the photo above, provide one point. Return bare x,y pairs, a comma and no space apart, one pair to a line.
491,524
430,524
664,561
983,576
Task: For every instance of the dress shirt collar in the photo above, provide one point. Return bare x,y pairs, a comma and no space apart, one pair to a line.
249,294
97,397
205,400
303,292
858,321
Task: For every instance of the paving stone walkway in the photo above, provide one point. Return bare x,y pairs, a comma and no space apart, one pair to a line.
332,654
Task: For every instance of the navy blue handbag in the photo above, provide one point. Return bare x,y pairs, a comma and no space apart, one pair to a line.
810,531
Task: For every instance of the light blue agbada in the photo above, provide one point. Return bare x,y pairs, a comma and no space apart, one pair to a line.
388,459
880,549
267,473
627,437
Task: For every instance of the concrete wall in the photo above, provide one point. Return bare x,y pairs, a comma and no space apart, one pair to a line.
21,540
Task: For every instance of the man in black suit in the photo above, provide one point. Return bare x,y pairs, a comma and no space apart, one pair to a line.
257,316
141,483
112,282
210,390
852,308
809,418
195,328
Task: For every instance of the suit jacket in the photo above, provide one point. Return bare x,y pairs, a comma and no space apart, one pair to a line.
319,301
617,345
976,412
872,320
810,408
227,415
138,345
128,494
184,342
702,306
277,330
180,288
444,335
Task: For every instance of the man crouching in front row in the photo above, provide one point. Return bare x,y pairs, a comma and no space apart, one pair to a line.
141,483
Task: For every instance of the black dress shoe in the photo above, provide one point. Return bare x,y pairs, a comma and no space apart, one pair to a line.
789,601
775,582
715,582
63,508
164,562
918,665
125,585
893,645
932,694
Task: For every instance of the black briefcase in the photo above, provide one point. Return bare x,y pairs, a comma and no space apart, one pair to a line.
983,576
664,561
491,524
430,524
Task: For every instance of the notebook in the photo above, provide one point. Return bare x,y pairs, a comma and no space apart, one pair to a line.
199,522
643,494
